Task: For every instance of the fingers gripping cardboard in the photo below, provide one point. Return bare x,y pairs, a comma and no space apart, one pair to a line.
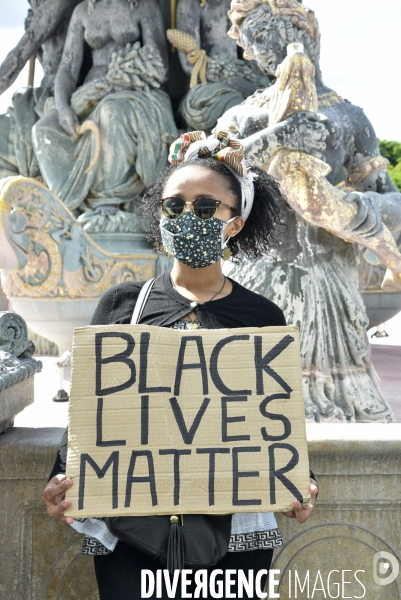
164,421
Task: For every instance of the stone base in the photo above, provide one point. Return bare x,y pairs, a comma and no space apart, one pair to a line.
56,318
13,400
123,243
381,306
43,347
358,514
3,300
7,424
43,559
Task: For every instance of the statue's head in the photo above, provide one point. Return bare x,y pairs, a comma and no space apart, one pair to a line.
264,28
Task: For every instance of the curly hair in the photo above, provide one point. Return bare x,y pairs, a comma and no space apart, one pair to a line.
259,232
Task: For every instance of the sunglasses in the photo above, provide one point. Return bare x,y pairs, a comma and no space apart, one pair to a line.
203,208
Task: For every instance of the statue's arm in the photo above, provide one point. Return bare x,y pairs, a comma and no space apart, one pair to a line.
152,29
304,132
188,20
243,119
376,190
68,72
46,19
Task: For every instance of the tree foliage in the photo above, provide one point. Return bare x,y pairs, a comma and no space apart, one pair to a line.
392,151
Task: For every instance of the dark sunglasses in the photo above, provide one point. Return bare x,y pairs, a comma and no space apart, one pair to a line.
203,208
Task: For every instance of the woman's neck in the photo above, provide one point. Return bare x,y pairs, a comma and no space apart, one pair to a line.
200,284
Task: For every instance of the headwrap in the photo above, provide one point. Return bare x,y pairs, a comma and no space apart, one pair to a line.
301,17
222,146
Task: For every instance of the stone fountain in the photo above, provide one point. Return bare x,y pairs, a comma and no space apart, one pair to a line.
59,253
53,271
84,151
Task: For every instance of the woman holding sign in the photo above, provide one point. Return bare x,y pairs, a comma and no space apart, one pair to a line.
207,205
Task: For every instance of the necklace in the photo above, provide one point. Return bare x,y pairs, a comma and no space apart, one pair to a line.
194,304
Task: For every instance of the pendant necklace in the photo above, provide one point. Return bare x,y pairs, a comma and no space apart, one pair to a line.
192,323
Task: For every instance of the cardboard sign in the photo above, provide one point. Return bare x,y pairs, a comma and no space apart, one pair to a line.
164,421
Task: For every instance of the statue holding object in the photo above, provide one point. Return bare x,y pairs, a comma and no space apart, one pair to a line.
45,32
313,274
219,78
121,96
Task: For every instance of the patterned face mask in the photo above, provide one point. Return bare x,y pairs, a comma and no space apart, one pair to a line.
194,242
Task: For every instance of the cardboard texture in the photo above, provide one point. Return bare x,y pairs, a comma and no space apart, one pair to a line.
163,421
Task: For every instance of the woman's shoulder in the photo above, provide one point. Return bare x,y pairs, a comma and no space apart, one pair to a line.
264,310
116,303
127,290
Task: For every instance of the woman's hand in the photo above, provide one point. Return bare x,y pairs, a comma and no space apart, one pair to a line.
54,497
302,513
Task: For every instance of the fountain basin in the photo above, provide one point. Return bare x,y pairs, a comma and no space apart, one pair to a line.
381,306
55,318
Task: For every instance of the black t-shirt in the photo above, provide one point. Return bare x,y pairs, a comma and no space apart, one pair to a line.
165,306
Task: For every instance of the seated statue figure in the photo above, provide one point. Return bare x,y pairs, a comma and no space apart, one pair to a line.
119,97
227,79
45,33
312,273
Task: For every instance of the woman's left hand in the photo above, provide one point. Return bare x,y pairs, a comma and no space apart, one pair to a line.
302,513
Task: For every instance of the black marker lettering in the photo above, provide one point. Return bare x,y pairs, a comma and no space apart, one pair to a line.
226,419
99,428
181,366
100,473
144,420
214,371
275,417
176,454
237,474
121,357
212,467
188,435
279,473
143,369
262,363
140,479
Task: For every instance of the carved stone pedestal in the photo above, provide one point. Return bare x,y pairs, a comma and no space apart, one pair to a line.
53,272
16,368
358,514
3,300
13,400
43,559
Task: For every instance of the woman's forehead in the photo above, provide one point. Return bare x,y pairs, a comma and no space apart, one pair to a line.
197,180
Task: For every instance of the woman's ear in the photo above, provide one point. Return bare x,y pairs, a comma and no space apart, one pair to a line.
233,228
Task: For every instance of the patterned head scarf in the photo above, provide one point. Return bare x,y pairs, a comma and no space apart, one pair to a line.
222,146
301,17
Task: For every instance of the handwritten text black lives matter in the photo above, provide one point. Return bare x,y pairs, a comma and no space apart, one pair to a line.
205,365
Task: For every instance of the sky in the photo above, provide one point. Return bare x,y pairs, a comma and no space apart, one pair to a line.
359,56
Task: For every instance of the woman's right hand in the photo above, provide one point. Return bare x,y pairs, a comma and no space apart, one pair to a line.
54,497
68,119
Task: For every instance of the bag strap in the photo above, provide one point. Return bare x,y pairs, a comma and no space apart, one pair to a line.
141,301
